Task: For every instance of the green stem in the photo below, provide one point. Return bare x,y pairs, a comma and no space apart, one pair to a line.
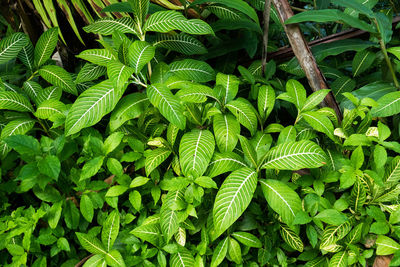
43,126
33,75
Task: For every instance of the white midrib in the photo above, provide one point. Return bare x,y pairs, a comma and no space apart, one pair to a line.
244,114
94,104
228,159
385,106
235,195
195,150
223,245
50,108
295,154
227,89
174,41
199,70
8,47
131,105
139,57
109,234
31,87
27,57
280,196
16,102
323,125
123,25
297,97
248,239
94,245
166,101
227,133
394,170
362,61
57,77
45,48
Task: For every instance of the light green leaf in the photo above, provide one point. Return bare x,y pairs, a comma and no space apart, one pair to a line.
23,144
244,112
182,43
295,156
86,207
248,151
149,232
183,258
51,110
247,239
195,152
331,216
116,190
59,77
319,122
50,166
95,261
190,69
14,101
90,72
166,21
168,104
14,127
99,57
224,162
91,106
91,168
115,259
32,89
297,92
388,105
45,46
339,259
315,99
193,92
91,244
118,73
226,130
155,157
229,85
265,100
291,238
52,92
282,199
386,245
169,214
220,252
362,61
392,173
139,54
26,56
110,229
232,199
234,251
10,46
107,26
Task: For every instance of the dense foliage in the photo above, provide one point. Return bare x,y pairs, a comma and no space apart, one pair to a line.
163,150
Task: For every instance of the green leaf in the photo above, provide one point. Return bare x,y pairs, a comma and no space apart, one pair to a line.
232,199
331,216
315,99
297,92
91,106
168,104
234,251
51,110
291,238
166,21
295,156
32,89
182,43
265,100
226,130
392,173
229,85
248,151
50,166
183,258
319,122
195,152
386,245
26,56
116,190
359,7
194,70
96,260
329,15
149,232
45,46
14,101
14,127
59,77
91,168
206,182
388,105
140,9
90,72
155,157
224,162
220,252
118,73
339,259
282,199
115,259
107,26
10,46
341,85
110,229
52,92
239,5
130,107
193,92
23,144
139,54
86,207
169,214
244,113
362,61
91,244
99,57
358,195
247,239
395,51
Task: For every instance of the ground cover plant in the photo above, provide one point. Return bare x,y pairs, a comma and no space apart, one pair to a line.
169,145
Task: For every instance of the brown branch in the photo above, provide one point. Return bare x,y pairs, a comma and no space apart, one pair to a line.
303,53
83,260
266,13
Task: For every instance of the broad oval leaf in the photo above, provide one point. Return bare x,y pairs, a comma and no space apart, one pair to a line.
230,85
224,162
12,45
220,252
118,73
247,239
266,100
115,259
183,258
291,238
194,70
14,101
91,106
386,245
155,157
139,54
110,229
86,207
52,92
107,26
193,92
319,122
166,21
232,199
282,199
130,107
168,104
99,57
91,244
339,259
90,72
149,232
169,215
51,109
14,127
45,46
295,156
32,89
388,105
182,43
244,112
226,130
297,92
59,77
195,152
362,61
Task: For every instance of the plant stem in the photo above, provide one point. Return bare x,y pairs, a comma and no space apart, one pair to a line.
389,64
43,126
266,15
149,69
33,75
